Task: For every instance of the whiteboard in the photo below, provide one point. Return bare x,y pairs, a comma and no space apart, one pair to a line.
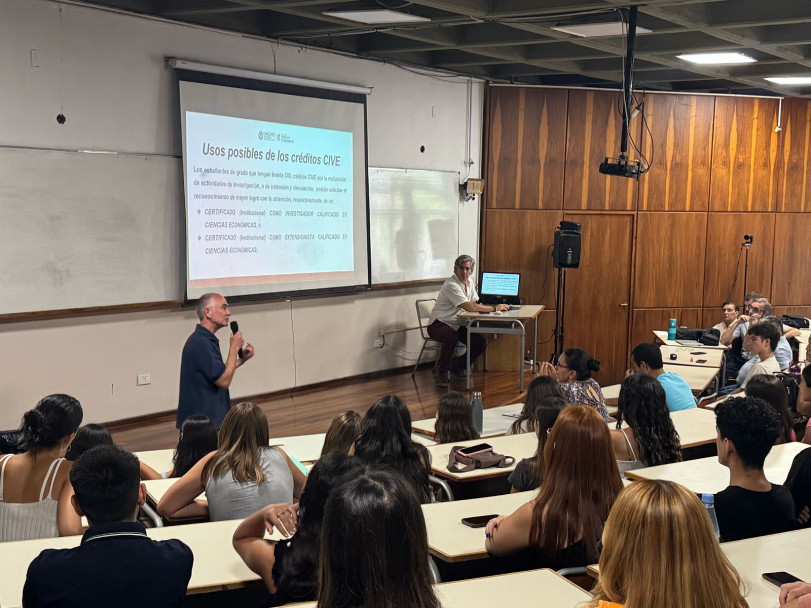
413,224
82,230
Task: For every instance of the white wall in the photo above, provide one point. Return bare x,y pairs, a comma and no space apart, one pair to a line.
105,71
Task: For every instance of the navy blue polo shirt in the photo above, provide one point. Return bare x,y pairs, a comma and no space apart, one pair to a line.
201,365
117,564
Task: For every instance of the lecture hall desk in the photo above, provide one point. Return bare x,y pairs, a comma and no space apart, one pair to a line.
518,590
216,565
786,552
707,475
494,422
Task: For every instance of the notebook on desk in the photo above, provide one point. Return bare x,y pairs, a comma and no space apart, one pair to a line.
500,288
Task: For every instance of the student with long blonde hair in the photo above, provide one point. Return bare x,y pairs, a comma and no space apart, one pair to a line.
243,475
655,535
561,527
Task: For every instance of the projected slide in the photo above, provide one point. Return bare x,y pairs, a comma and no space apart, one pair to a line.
267,202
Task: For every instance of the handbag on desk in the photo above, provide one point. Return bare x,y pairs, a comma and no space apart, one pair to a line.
459,462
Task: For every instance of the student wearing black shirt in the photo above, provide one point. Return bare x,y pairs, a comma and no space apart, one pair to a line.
751,505
116,564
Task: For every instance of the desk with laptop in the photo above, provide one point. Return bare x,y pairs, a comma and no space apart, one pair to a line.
503,288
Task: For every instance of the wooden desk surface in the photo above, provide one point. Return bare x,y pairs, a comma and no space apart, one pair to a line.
517,446
160,460
452,541
662,337
517,590
494,422
695,426
527,311
778,552
707,475
216,564
752,557
698,378
692,355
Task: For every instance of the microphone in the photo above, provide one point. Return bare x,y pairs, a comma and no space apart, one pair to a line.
235,329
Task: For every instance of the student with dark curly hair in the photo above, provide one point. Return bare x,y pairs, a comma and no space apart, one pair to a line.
651,439
751,505
454,419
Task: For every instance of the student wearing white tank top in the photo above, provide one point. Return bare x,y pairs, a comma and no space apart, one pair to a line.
35,490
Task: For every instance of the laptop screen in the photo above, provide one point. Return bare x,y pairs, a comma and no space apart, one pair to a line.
500,283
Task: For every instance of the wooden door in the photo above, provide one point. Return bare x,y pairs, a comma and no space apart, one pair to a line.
598,293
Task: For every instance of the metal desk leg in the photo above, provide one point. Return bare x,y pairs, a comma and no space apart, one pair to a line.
467,355
521,361
151,514
535,344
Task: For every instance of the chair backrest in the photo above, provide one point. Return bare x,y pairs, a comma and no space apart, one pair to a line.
424,308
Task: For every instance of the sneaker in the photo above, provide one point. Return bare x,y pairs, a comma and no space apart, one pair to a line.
443,379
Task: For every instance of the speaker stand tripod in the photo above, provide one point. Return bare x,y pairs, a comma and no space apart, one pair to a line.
560,314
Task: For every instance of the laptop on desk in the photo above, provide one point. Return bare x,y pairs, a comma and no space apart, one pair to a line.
500,288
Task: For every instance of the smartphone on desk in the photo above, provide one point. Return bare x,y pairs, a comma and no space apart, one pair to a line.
479,521
479,448
780,578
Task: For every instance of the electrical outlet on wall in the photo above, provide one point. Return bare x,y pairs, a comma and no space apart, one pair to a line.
144,379
379,342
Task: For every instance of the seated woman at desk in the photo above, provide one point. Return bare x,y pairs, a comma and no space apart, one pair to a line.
374,549
650,439
35,491
341,434
87,437
655,532
804,399
454,419
386,439
573,372
243,475
561,527
198,437
528,473
539,389
289,568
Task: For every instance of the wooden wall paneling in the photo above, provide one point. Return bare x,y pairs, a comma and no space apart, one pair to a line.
794,187
647,320
669,259
802,311
525,148
520,241
744,154
711,315
724,238
598,293
681,130
594,129
791,285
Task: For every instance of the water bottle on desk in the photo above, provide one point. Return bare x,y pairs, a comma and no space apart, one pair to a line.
478,411
671,330
708,500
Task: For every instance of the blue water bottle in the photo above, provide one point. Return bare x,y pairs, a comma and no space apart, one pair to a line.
708,500
671,330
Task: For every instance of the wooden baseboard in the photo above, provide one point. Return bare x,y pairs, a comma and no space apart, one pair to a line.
168,415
